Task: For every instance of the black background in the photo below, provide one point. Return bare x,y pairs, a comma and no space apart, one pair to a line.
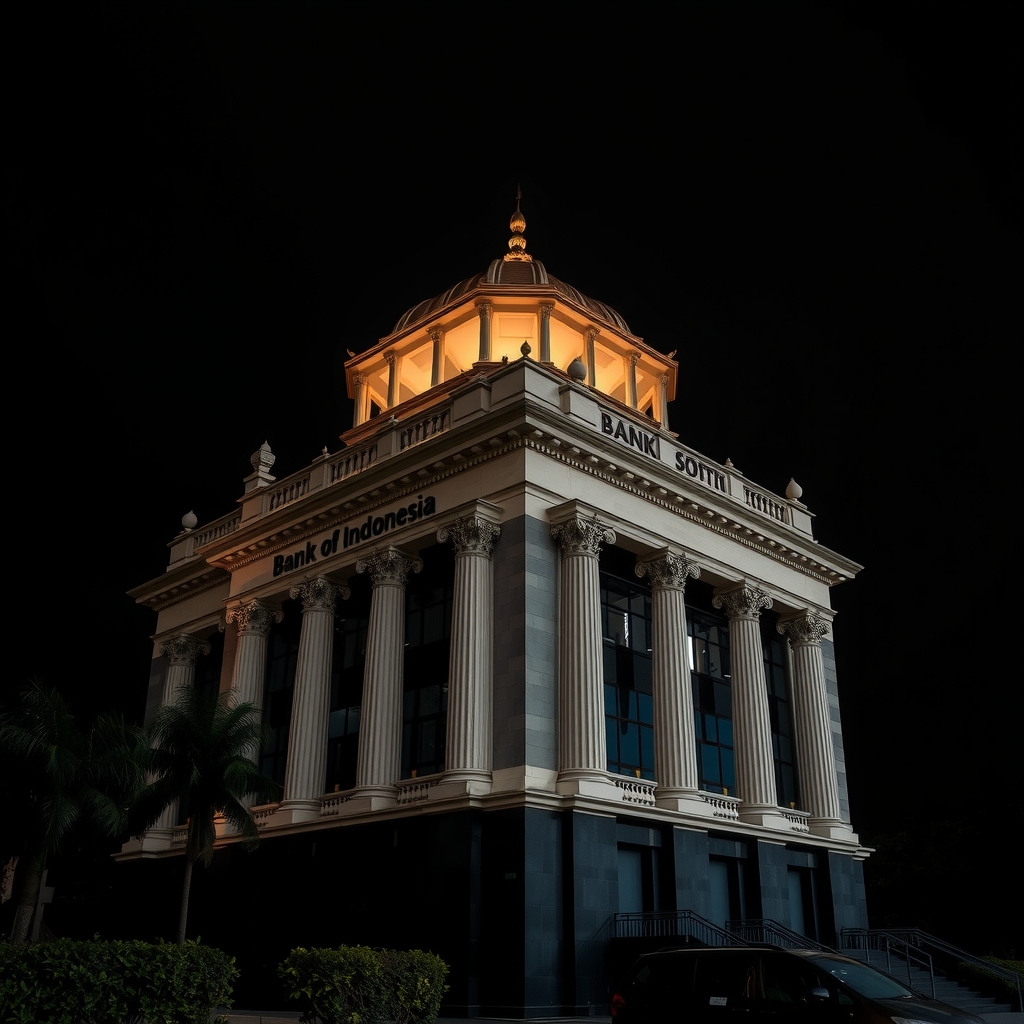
817,205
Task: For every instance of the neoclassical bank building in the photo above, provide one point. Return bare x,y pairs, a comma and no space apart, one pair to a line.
542,682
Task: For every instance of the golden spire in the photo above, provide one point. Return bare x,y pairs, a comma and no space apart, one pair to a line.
517,243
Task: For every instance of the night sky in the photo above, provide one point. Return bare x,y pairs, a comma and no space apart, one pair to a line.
817,205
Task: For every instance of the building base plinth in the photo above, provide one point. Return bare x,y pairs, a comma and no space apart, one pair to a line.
684,800
292,812
582,784
831,828
766,815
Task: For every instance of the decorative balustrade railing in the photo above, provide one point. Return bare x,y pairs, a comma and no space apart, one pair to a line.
436,423
635,791
217,529
766,505
291,490
722,806
349,462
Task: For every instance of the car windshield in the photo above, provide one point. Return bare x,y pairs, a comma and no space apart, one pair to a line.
863,980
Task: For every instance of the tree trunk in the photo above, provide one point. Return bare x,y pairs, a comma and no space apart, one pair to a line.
185,886
28,898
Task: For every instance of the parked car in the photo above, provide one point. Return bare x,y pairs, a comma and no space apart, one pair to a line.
770,985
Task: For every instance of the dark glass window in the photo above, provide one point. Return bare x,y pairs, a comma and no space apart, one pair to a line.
282,656
348,662
428,625
710,678
628,704
208,667
774,647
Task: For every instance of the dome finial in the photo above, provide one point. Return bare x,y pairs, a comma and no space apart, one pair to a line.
517,243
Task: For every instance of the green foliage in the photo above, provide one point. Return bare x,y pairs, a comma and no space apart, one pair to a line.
359,985
415,985
996,985
63,781
205,747
120,982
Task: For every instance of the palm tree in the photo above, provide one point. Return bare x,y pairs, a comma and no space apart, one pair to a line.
63,781
204,750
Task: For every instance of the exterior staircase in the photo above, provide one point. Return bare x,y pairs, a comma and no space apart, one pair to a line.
924,963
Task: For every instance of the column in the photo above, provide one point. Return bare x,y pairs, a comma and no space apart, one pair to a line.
392,360
436,339
816,760
484,312
469,746
634,358
752,730
582,749
254,621
359,412
675,742
663,400
592,333
306,765
181,653
379,763
546,309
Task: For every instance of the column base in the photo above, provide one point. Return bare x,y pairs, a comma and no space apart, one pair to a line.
292,812
831,828
461,782
767,815
688,801
590,783
372,798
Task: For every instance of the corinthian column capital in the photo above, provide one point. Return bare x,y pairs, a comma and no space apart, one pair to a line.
805,628
667,569
254,617
582,536
474,535
746,601
184,650
319,594
389,566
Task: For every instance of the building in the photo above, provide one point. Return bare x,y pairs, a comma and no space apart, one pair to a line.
539,676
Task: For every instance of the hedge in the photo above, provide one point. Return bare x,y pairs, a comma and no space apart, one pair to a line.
117,982
359,985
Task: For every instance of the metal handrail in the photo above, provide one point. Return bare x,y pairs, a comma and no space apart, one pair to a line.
892,945
767,932
673,924
923,941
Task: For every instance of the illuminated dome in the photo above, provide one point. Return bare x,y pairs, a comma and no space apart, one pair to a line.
516,269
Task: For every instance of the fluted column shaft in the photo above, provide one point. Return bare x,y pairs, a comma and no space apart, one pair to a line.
181,653
582,748
254,621
546,309
755,761
306,765
379,761
484,311
469,742
816,762
675,744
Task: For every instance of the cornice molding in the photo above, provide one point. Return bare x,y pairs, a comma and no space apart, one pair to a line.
722,518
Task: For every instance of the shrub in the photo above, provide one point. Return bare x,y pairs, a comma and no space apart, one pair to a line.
117,982
359,985
991,983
